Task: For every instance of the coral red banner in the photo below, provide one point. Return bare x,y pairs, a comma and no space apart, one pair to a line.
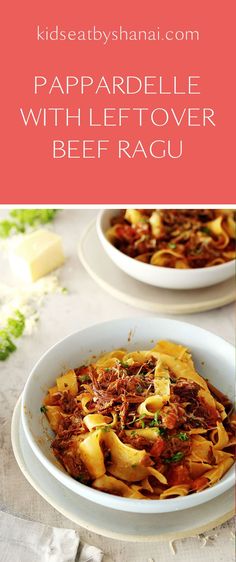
118,102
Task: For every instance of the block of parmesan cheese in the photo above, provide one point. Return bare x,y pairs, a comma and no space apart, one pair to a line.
36,255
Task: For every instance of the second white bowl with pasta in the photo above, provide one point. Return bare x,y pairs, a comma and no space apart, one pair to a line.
213,358
165,277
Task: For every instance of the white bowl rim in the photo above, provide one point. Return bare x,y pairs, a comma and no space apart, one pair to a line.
147,266
117,502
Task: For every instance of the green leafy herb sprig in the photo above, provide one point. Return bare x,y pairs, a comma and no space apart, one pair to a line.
20,219
155,420
183,436
175,458
14,328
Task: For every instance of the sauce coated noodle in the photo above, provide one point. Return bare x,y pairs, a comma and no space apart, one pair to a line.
141,425
181,239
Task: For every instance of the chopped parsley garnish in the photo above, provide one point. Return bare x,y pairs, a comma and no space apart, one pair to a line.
7,228
155,420
23,218
43,409
84,378
206,230
33,216
183,436
14,328
125,365
16,325
140,417
6,345
162,430
172,245
175,458
64,290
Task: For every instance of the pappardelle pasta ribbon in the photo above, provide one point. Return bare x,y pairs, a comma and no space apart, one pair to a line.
176,238
141,424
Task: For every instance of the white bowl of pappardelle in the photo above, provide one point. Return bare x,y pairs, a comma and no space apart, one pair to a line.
213,358
166,277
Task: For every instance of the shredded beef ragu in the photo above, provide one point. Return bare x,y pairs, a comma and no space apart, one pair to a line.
119,390
186,231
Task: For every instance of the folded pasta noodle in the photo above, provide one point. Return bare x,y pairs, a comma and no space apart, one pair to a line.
141,424
176,238
180,490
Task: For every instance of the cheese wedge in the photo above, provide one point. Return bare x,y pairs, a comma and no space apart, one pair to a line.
36,255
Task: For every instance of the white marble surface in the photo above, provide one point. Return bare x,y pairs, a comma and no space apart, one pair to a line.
85,304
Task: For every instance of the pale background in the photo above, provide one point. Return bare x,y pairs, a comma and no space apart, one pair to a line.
86,303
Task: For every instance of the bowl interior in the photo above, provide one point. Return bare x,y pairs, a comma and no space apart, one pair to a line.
213,358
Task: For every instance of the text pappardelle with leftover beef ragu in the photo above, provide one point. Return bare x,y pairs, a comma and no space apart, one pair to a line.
177,238
142,425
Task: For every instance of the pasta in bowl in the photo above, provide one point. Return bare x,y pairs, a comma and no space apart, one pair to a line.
142,425
137,430
171,248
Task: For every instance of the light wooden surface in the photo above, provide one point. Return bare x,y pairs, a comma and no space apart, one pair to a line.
86,303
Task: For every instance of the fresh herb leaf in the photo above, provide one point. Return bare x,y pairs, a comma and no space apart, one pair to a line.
8,227
206,230
6,345
140,417
33,216
172,245
23,218
161,430
16,324
175,458
155,420
183,436
156,416
43,409
133,433
14,327
125,365
84,378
